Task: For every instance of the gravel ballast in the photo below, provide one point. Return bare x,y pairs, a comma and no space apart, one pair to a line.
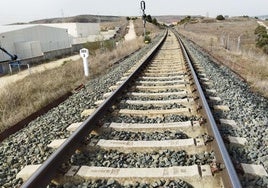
156,159
110,183
248,109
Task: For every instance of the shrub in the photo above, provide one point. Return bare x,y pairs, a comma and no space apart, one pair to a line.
265,48
149,18
155,22
220,17
260,30
185,20
262,41
262,38
104,45
147,39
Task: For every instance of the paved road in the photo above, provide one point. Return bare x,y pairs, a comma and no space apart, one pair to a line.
13,78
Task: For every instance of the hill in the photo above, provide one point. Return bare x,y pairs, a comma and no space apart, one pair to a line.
171,18
79,19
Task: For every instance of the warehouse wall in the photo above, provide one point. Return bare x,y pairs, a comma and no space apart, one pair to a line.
57,53
6,42
78,29
28,49
28,41
50,38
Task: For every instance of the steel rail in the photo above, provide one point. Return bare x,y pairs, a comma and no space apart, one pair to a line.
48,170
233,178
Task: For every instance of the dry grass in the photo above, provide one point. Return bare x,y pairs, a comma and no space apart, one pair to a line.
37,90
221,39
112,25
96,63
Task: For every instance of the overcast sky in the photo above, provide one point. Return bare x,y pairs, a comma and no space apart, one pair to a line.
27,10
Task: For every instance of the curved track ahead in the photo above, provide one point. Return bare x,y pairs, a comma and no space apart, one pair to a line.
161,108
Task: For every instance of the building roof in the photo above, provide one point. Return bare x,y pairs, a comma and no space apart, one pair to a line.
8,28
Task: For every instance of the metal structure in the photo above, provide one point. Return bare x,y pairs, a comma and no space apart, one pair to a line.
13,58
14,61
143,17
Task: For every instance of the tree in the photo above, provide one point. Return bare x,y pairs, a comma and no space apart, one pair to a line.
260,30
220,17
149,18
261,38
155,22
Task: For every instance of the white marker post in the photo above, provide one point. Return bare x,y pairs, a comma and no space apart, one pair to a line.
84,54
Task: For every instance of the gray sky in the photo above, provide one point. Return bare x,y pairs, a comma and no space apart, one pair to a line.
27,10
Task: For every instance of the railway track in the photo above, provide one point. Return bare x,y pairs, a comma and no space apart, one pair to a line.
153,128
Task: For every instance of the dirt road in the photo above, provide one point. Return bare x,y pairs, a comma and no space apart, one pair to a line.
131,32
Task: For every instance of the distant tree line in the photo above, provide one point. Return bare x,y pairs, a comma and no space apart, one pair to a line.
262,38
148,18
131,18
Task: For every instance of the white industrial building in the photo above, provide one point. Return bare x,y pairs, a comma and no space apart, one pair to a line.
30,41
79,32
78,29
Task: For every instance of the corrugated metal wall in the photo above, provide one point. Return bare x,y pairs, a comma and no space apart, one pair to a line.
28,49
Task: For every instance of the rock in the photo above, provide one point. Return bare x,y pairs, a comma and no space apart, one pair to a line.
110,182
265,181
154,184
